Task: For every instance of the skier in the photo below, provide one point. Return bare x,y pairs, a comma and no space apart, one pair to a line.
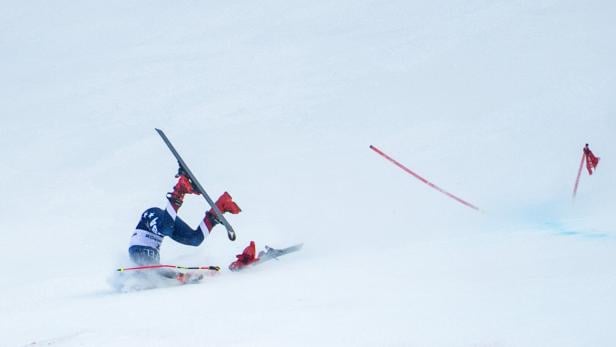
157,223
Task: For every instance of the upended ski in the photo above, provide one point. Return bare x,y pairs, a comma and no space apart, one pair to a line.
183,166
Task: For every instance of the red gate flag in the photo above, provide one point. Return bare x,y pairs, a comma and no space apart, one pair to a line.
591,160
591,164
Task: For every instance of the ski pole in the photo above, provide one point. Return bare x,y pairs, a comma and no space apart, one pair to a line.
145,267
430,184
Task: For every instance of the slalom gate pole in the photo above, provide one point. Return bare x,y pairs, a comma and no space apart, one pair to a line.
579,174
430,184
146,267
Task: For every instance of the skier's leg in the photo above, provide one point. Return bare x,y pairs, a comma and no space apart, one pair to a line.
186,235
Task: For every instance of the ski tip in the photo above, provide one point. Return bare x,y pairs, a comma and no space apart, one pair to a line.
298,246
231,235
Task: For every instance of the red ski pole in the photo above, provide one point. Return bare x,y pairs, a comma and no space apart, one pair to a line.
145,267
430,184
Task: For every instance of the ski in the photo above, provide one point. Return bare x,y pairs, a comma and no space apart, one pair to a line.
268,254
184,167
273,253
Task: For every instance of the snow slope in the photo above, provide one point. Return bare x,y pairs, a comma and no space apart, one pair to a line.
277,102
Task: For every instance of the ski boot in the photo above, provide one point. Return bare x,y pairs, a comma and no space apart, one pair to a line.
246,258
225,204
183,187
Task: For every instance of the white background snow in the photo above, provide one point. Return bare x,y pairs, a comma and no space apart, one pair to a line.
277,102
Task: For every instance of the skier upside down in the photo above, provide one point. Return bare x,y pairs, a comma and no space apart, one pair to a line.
156,223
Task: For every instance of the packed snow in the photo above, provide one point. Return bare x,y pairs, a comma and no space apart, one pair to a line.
277,102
